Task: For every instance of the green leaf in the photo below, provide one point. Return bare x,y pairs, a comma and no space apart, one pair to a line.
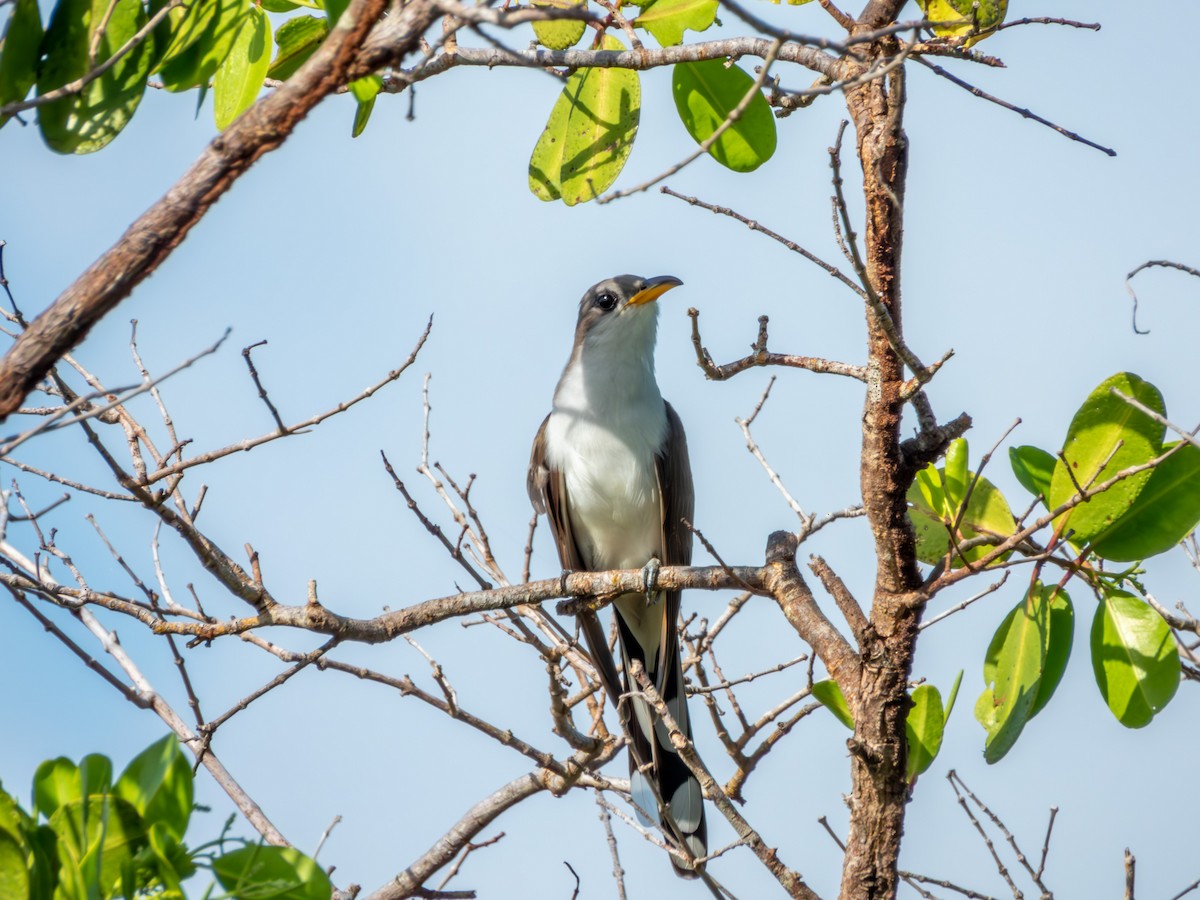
961,17
14,875
1012,671
668,19
955,477
239,79
211,33
830,696
705,94
562,33
1058,645
953,695
172,863
1106,427
98,839
55,783
334,10
295,40
1134,657
19,53
364,91
933,516
925,726
589,134
1165,511
280,873
157,783
88,120
1034,468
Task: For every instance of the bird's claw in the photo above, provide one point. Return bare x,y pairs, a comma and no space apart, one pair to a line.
650,578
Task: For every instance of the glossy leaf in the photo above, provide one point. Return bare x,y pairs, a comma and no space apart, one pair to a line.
14,874
1058,646
296,39
281,873
1107,428
830,696
933,516
924,727
955,477
961,17
589,134
1034,468
1012,672
334,10
1134,657
100,838
953,695
668,19
19,52
88,120
158,784
562,33
55,783
214,30
706,93
364,90
1163,514
240,77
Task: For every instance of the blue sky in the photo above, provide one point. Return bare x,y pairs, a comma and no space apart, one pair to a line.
337,251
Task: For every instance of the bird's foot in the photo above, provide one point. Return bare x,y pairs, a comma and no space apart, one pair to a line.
562,581
650,578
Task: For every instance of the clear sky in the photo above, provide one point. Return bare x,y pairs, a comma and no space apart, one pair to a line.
337,251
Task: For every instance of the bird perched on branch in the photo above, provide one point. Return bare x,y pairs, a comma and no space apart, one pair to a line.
610,469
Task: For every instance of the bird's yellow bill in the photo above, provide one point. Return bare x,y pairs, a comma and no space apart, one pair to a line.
655,288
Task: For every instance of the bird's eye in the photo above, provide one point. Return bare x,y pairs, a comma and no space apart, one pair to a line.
606,301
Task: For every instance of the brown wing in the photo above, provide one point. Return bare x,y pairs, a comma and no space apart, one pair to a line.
548,493
678,500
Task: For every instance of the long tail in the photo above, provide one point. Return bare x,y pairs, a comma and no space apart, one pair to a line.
656,772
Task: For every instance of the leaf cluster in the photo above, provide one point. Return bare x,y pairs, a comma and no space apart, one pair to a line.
1115,493
88,837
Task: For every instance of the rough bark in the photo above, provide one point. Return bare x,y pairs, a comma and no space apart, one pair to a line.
878,750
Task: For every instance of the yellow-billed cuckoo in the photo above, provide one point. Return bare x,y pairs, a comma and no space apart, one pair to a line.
610,469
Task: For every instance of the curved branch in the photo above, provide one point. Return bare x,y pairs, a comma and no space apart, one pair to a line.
159,230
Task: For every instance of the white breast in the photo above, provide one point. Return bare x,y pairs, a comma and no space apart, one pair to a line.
608,422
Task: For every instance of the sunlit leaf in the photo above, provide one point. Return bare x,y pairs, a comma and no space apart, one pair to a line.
1058,645
100,837
830,696
55,782
158,784
589,134
561,33
1107,428
1034,468
1163,514
240,77
706,93
1134,657
19,52
14,874
955,477
960,17
668,19
933,517
364,90
1012,671
89,119
295,40
280,873
924,727
215,32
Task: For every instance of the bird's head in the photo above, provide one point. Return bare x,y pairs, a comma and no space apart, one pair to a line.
622,310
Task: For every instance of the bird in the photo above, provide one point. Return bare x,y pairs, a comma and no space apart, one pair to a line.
609,468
